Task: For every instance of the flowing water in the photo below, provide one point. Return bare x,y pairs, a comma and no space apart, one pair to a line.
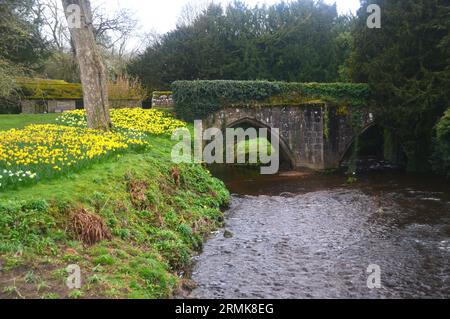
303,235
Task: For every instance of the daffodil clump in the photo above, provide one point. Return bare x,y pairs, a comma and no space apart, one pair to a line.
130,119
42,151
9,177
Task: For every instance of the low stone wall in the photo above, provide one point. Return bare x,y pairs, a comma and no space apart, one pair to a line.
28,106
59,106
53,106
162,100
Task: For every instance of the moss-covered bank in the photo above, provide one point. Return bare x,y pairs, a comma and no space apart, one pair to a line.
155,214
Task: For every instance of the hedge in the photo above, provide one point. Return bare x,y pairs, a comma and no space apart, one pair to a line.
197,99
42,89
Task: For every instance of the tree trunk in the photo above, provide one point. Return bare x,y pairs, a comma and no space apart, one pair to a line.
92,69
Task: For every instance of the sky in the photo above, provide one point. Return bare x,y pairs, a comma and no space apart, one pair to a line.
161,15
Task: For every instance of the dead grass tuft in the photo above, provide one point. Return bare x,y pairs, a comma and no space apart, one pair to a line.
137,190
89,228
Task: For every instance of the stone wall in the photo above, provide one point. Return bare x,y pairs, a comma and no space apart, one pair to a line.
28,106
60,106
52,106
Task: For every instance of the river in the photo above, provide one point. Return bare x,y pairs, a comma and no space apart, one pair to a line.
306,235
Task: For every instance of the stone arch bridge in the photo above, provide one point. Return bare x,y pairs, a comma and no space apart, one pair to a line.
312,135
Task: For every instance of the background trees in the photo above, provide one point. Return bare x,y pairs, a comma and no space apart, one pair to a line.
21,41
298,41
112,32
22,47
407,64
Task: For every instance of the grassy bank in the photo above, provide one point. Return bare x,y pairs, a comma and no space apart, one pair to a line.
130,224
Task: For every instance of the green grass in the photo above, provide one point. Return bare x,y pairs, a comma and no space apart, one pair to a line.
156,221
8,122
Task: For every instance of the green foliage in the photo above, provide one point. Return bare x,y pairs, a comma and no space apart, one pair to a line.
62,65
21,43
7,81
9,102
297,41
197,99
26,225
104,260
443,145
406,63
9,105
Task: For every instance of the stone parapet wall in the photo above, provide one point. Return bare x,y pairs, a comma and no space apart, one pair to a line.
60,106
300,128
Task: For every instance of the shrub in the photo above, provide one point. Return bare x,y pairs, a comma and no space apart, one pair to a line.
7,82
126,88
9,105
443,144
197,99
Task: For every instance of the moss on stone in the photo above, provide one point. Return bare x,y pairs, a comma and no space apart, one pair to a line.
43,89
198,99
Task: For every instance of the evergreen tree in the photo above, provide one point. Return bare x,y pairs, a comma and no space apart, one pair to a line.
295,41
22,48
21,42
406,63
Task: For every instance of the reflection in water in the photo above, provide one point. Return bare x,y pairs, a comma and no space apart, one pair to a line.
314,236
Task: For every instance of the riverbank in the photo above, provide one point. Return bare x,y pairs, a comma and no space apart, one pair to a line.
131,224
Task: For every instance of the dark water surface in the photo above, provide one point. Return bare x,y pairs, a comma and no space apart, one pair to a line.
314,236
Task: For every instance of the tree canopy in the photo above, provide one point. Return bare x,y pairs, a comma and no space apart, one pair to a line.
295,41
407,65
22,48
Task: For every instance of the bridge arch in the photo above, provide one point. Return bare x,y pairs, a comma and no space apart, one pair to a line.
286,153
350,144
389,145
